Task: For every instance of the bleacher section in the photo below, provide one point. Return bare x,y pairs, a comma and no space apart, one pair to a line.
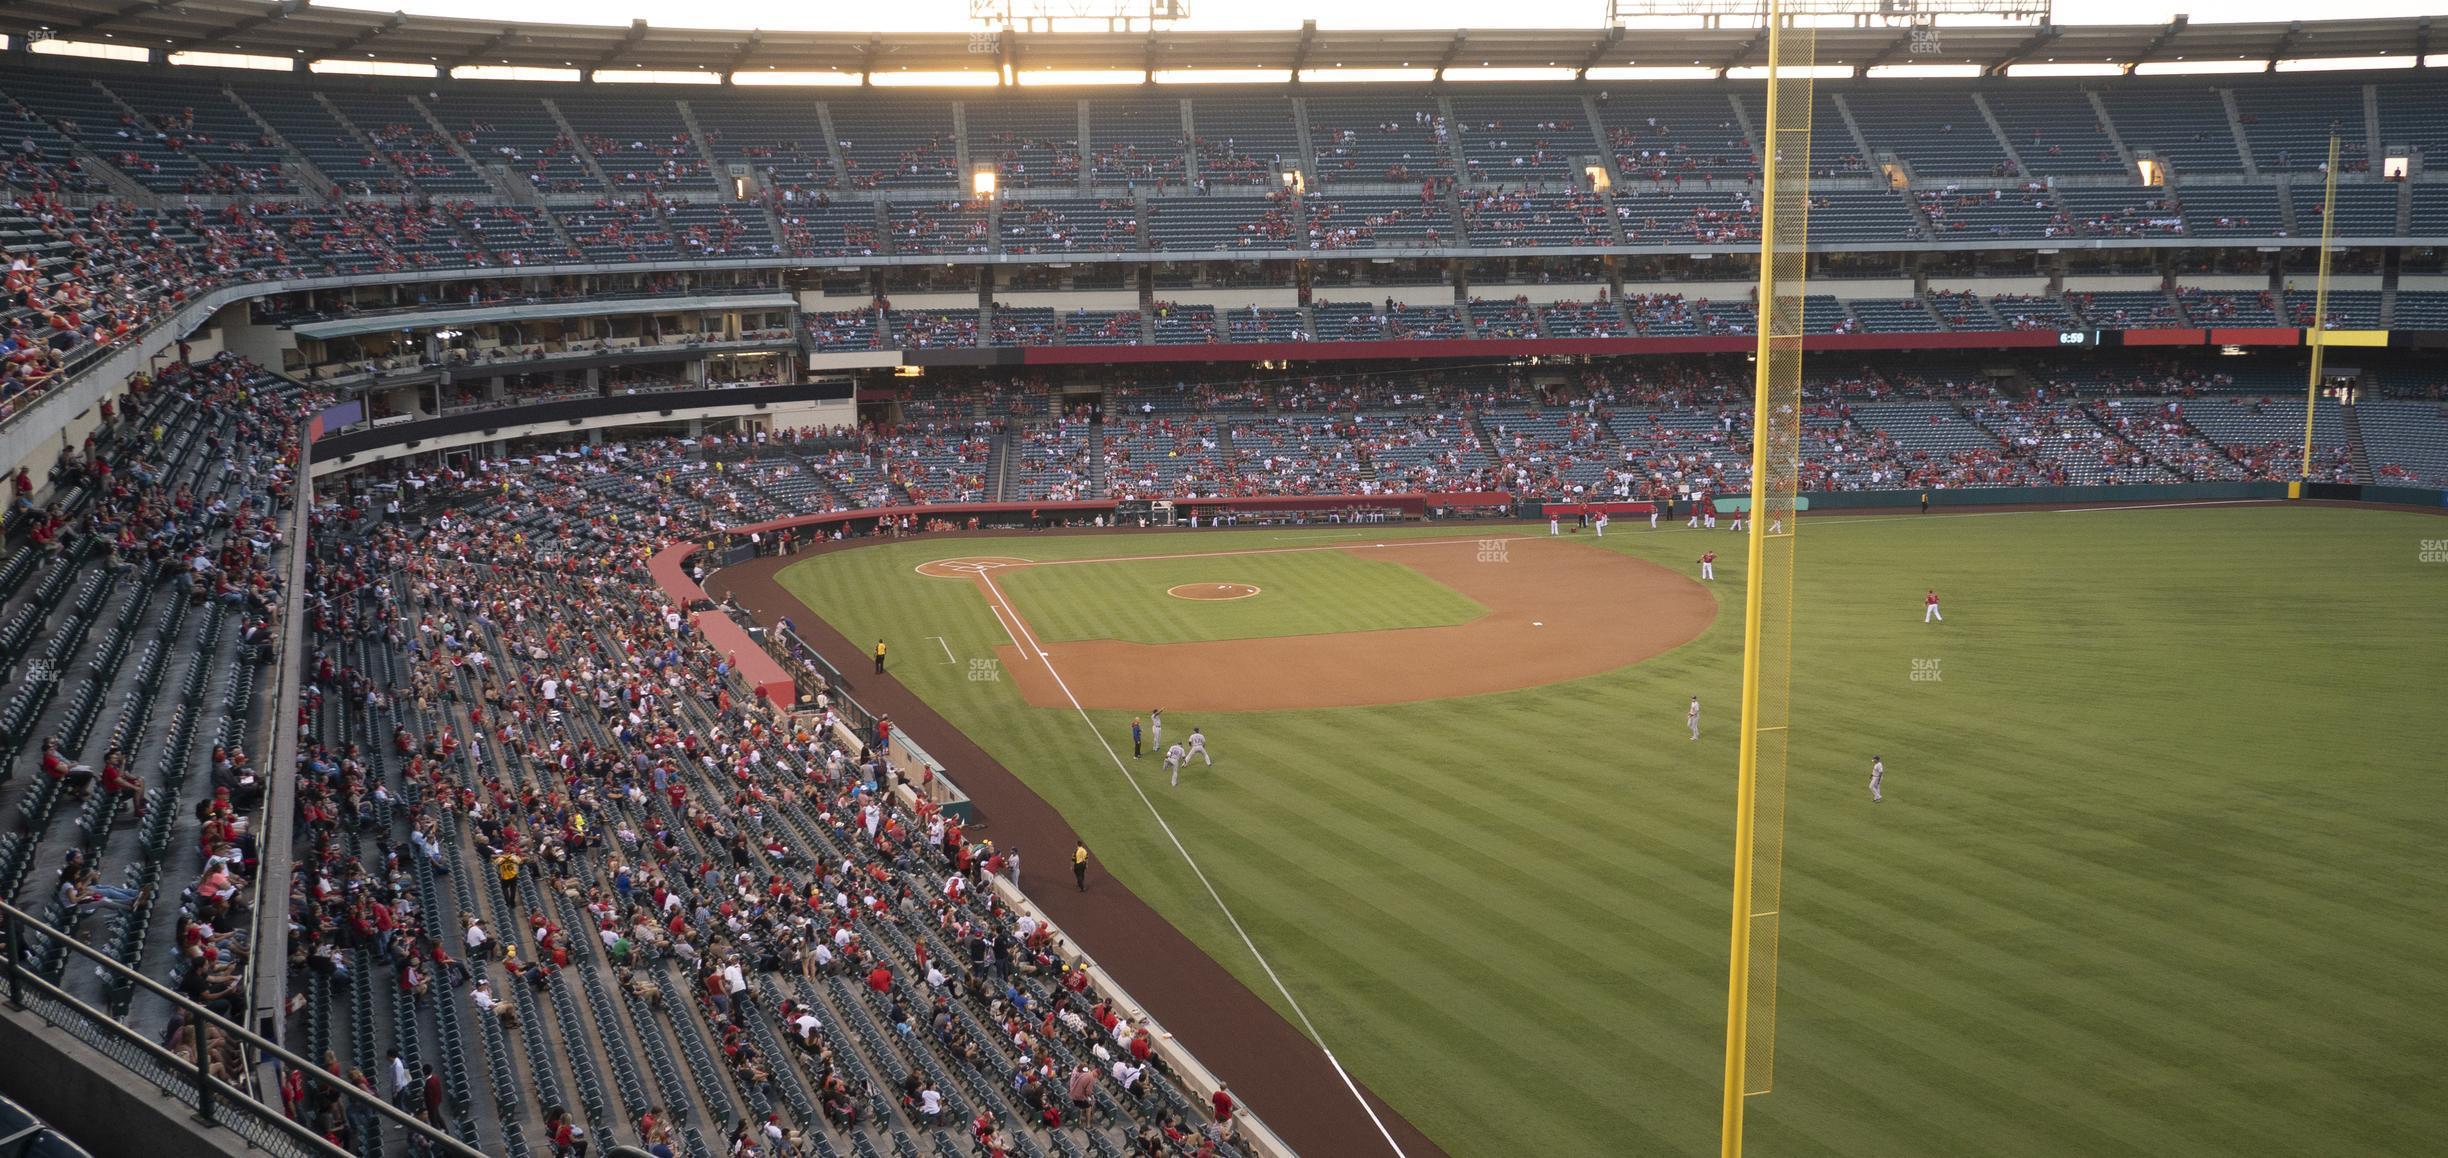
896,144
399,132
1522,138
641,142
499,127
1069,225
1135,143
2056,132
1368,221
2184,124
1936,133
1245,140
1031,144
1378,140
782,144
1663,134
2290,127
2407,441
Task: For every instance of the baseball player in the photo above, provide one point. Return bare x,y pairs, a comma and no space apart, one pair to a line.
1555,526
1693,524
1738,520
1198,748
1691,717
1878,772
1708,565
1654,509
1929,607
1174,759
1156,728
1708,514
1600,524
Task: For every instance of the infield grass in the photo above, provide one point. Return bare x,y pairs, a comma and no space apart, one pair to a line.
2159,871
1300,592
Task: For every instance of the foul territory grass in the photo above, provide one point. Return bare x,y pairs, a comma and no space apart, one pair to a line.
1300,592
2157,873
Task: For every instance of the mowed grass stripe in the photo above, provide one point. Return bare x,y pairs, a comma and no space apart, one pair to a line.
1516,1033
2157,872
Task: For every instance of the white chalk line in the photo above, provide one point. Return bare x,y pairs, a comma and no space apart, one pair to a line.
947,648
1007,630
1212,894
1840,520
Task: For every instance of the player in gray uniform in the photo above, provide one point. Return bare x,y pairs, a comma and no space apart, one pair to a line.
1198,748
1174,759
1156,728
1692,717
1878,772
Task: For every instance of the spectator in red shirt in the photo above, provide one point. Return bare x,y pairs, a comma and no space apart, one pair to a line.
71,776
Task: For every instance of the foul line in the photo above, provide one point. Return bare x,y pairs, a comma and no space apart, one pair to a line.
1212,894
1839,520
947,648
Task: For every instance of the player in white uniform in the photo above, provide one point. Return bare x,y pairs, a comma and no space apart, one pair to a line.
1929,607
1692,717
1174,759
1600,522
1198,748
1878,772
1653,515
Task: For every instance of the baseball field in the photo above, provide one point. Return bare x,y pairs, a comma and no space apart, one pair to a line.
2157,872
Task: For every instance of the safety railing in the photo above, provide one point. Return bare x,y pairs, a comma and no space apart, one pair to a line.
216,1049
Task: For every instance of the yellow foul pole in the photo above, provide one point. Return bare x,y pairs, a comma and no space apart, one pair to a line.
1776,431
2319,335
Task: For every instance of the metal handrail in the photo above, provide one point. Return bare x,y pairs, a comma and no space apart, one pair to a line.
209,1090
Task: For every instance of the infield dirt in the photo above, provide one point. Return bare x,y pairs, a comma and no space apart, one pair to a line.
1556,611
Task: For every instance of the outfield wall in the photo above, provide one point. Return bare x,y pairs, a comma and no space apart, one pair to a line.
1943,497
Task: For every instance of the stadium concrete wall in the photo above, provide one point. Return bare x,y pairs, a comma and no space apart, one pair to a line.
86,1095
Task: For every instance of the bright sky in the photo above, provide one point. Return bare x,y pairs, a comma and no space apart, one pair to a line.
953,15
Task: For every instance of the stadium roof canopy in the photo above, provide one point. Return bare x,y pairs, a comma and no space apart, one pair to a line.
302,31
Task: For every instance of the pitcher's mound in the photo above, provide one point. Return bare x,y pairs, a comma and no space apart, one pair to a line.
1212,591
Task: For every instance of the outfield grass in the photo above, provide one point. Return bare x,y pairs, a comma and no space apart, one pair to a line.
1302,592
2158,871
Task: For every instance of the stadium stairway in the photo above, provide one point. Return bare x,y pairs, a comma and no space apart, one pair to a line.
2356,453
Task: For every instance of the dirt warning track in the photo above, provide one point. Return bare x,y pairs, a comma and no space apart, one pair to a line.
1556,611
